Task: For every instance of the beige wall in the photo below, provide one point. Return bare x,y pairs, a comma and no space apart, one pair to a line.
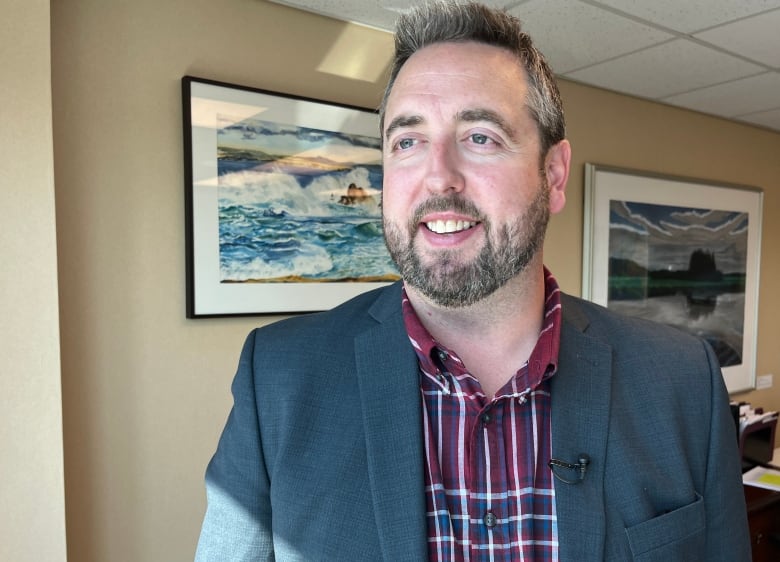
607,128
145,391
32,495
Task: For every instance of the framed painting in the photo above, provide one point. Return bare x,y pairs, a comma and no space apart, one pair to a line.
283,201
679,251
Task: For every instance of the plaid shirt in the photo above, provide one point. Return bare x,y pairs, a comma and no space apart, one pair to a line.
489,490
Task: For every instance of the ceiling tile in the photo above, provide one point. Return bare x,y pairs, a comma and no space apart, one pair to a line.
691,15
376,13
399,5
769,119
732,99
564,31
657,72
757,38
675,51
366,12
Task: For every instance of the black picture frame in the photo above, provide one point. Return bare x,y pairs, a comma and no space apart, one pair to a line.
282,201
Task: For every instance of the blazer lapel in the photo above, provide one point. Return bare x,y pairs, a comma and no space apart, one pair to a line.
391,405
388,383
580,416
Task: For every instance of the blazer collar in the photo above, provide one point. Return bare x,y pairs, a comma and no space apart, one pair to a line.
388,381
580,416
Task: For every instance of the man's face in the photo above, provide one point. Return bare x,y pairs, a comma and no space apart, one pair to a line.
465,203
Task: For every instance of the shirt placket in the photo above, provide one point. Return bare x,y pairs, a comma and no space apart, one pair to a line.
471,452
487,512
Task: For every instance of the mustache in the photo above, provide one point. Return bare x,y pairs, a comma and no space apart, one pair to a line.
453,202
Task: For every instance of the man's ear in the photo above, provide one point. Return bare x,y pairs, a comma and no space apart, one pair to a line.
556,168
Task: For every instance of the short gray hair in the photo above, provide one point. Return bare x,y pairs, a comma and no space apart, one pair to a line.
451,21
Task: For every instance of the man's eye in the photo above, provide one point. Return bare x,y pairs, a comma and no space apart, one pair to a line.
403,144
479,138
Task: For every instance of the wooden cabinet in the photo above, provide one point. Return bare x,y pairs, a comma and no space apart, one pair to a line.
763,507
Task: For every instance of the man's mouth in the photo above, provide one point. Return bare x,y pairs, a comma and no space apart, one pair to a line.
449,226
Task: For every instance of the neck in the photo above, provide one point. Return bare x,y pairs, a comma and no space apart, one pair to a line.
495,336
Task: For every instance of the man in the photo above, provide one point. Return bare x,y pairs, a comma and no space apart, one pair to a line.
473,412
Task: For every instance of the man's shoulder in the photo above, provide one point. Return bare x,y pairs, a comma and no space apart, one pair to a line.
353,316
314,348
603,323
647,357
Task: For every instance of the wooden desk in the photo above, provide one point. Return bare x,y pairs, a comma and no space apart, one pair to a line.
763,508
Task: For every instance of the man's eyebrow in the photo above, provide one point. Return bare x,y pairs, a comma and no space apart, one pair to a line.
402,121
467,115
483,114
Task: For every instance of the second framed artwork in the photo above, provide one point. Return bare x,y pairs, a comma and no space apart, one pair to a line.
283,198
679,251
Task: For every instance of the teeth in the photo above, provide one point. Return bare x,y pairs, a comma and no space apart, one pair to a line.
449,226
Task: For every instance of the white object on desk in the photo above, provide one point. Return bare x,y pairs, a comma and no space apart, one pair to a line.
762,477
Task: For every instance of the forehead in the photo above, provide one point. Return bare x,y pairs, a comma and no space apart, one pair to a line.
462,72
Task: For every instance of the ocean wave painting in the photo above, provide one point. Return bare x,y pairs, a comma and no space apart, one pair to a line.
299,205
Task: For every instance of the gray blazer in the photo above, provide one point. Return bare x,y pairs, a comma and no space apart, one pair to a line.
322,455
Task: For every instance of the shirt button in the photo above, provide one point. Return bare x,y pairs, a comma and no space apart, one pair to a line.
485,418
490,519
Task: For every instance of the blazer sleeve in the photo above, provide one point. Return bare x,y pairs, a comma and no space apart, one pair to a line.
237,524
728,538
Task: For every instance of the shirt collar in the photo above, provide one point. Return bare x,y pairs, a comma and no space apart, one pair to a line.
542,363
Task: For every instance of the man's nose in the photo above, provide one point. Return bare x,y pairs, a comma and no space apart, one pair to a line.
443,171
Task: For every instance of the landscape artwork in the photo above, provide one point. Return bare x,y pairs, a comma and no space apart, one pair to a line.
685,252
681,266
298,204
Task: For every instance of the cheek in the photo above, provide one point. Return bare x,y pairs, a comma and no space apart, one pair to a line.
392,209
498,191
397,192
505,199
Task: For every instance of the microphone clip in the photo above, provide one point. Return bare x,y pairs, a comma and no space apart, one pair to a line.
581,466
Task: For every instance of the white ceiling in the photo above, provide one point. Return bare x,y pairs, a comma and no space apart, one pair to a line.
720,57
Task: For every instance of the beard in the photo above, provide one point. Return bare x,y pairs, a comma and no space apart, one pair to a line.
449,282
